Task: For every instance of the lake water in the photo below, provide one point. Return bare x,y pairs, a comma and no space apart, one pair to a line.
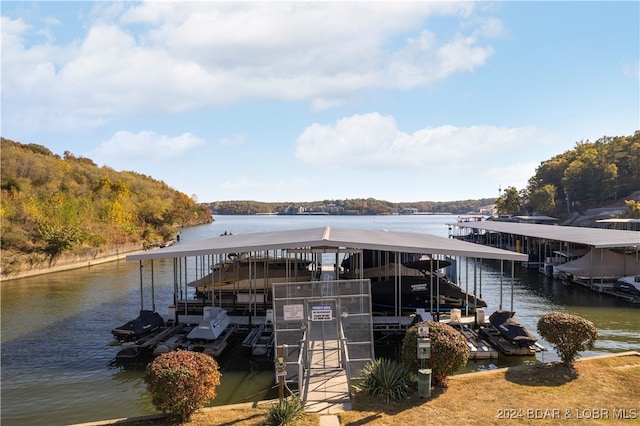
56,327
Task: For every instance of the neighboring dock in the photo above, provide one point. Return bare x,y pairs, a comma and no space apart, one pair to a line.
609,254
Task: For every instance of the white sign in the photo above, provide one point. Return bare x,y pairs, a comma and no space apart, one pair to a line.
321,313
293,312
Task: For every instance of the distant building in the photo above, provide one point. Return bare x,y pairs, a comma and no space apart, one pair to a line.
489,210
542,220
408,210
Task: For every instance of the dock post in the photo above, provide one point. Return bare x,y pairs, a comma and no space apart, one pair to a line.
281,371
424,354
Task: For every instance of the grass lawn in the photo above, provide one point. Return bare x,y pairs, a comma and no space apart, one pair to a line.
604,390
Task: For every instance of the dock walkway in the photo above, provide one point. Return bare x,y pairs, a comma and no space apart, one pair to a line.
326,389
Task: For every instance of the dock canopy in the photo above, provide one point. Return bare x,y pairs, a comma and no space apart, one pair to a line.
330,238
595,237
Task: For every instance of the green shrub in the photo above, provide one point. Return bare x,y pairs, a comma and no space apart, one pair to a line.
568,333
449,350
181,382
285,412
386,377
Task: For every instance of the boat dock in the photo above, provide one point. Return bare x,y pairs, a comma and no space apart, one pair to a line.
468,326
214,347
142,348
608,254
478,347
169,338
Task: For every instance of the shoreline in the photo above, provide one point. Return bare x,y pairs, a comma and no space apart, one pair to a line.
111,255
256,404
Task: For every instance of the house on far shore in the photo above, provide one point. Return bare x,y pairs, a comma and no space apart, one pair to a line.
619,223
541,220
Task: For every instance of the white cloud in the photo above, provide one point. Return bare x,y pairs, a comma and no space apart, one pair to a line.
516,175
373,141
125,149
234,140
162,57
631,70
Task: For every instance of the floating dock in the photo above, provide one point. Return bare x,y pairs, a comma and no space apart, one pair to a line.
142,349
478,347
170,338
506,347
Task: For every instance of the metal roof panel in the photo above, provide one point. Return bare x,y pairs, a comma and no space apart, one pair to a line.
407,242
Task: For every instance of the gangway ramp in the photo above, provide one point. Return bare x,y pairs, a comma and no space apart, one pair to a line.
326,388
326,334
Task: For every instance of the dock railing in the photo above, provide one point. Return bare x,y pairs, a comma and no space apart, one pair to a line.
302,361
344,350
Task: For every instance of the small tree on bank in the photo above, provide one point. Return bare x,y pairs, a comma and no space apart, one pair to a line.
449,351
568,333
181,382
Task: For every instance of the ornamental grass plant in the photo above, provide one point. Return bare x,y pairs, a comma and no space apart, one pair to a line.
286,411
387,378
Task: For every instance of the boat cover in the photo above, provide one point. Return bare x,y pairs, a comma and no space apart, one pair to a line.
601,263
212,326
416,293
147,322
511,329
629,285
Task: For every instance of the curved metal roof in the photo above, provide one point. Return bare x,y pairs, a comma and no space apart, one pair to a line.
337,238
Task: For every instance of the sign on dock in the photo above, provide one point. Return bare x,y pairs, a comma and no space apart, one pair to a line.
293,312
321,313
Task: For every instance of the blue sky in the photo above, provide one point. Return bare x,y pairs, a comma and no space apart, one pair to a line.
277,101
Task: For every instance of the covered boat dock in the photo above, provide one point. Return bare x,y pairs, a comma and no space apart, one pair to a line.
194,261
325,302
609,254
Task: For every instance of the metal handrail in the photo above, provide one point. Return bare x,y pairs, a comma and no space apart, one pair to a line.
345,355
302,361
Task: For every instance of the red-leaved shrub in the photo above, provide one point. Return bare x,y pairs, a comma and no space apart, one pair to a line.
181,382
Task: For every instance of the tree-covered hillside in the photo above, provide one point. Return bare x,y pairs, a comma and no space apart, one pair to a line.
52,205
355,206
593,174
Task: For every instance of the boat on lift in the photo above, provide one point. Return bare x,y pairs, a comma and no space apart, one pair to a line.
508,335
629,285
215,320
423,284
144,324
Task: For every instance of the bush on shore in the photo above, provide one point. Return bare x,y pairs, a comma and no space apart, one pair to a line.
181,382
568,333
449,351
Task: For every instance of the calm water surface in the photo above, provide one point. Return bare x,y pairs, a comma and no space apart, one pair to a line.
56,328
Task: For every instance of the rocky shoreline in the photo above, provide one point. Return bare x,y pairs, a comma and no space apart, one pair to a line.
69,262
